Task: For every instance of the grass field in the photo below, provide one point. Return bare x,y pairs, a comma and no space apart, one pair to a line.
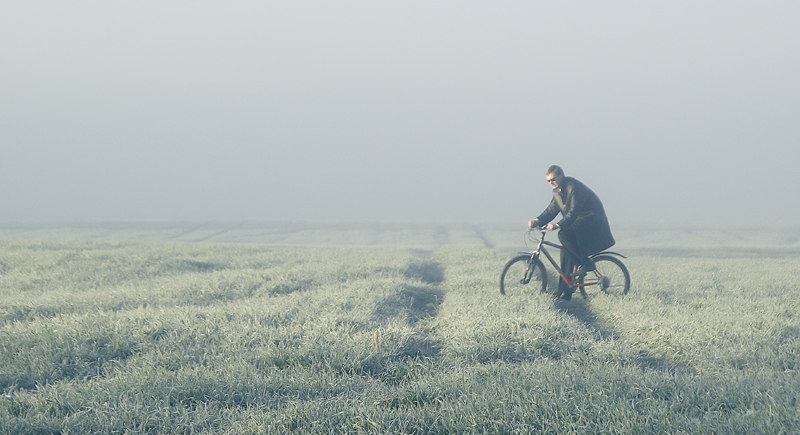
247,328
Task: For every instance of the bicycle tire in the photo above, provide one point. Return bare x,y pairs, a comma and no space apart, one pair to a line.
513,279
611,276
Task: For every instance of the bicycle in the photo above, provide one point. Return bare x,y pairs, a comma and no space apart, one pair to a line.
526,270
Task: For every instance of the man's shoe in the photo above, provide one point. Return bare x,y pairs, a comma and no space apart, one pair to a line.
581,271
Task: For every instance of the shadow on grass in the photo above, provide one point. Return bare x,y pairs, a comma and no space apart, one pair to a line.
580,309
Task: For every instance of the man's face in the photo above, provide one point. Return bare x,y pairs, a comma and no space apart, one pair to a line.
554,180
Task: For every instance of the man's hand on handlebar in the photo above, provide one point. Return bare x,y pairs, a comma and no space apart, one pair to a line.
548,227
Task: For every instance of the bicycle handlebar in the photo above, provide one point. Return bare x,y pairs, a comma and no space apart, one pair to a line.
542,228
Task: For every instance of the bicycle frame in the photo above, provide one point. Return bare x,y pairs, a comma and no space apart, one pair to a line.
570,281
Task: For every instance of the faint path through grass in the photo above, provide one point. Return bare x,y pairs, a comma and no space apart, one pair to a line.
219,233
416,304
482,236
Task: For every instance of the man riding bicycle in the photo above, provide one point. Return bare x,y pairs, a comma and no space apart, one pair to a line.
583,228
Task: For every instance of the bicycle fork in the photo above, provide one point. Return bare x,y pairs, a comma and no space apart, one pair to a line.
529,272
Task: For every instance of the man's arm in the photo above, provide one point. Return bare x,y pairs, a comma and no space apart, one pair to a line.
547,215
575,203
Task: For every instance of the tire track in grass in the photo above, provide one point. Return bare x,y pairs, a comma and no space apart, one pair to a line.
219,233
482,237
417,301
441,236
187,231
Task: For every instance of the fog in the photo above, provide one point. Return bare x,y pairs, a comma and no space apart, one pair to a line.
363,110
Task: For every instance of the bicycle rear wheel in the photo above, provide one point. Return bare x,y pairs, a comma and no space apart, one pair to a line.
521,276
611,276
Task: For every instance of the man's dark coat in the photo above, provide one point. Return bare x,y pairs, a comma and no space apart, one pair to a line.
583,213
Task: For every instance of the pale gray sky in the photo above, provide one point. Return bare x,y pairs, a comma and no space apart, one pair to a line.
408,110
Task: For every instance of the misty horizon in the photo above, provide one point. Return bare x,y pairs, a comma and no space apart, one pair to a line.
397,111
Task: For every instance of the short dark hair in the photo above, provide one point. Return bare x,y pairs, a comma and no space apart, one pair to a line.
555,170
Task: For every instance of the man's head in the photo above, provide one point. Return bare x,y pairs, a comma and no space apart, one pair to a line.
554,175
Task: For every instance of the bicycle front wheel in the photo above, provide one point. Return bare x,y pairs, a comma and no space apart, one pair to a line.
611,276
520,275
